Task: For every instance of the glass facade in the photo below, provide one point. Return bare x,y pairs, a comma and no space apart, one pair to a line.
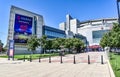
81,37
97,35
53,32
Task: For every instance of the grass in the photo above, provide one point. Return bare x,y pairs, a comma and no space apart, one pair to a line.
34,56
115,63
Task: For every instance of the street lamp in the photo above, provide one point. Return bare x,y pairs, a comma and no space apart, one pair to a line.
118,11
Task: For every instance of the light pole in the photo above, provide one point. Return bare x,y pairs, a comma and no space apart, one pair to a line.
118,10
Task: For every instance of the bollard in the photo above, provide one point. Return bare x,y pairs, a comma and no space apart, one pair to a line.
74,60
30,58
88,59
102,59
13,58
24,58
8,57
49,59
61,60
39,59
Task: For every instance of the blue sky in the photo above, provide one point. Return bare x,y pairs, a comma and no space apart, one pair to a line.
54,11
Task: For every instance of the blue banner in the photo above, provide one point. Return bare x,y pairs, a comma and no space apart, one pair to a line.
22,28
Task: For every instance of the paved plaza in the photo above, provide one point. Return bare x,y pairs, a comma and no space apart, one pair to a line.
56,69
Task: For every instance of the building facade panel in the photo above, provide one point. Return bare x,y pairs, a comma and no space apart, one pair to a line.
21,24
62,26
73,25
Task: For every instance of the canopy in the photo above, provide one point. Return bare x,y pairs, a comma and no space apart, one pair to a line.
94,46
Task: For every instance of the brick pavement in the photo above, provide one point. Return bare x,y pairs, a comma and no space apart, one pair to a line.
55,69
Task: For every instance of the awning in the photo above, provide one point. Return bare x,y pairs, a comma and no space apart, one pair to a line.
94,46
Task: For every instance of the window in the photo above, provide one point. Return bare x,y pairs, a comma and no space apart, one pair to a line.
97,35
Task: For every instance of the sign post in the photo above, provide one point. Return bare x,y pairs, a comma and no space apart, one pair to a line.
11,50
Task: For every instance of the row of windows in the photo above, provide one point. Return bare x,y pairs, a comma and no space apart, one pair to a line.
97,35
54,34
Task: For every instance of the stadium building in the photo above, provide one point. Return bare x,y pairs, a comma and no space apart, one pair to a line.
93,30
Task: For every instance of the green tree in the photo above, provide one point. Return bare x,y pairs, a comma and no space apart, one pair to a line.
43,43
1,46
56,44
105,41
68,44
61,42
73,44
115,35
32,43
77,44
112,38
49,44
4,49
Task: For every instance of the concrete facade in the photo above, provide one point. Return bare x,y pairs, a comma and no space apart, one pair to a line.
62,26
35,30
70,24
93,30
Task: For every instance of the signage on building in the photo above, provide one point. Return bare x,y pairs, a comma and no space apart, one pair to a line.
22,28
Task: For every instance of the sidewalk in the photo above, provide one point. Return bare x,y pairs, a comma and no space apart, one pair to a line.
55,69
6,61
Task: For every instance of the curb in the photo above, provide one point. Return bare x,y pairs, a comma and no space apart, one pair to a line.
110,69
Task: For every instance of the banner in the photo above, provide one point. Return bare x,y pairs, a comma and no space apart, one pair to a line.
11,48
22,28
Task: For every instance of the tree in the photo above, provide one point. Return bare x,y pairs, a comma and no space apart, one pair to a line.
74,44
115,35
32,43
68,44
1,45
77,44
112,38
4,49
42,43
56,44
105,40
49,44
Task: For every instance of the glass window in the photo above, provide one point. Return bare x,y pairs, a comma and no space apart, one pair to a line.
97,35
